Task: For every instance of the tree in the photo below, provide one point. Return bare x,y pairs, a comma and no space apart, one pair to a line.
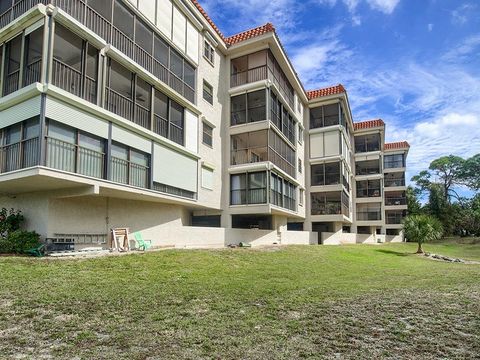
471,172
413,204
421,229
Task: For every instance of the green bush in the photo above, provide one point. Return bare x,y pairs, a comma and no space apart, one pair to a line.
10,220
19,241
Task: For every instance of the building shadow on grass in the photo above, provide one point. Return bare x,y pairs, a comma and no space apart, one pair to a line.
392,252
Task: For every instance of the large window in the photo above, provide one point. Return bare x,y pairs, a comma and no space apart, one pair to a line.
281,154
366,143
330,203
208,52
249,107
129,166
75,64
249,68
326,115
325,174
72,150
282,118
368,188
19,145
33,57
369,212
368,167
13,50
394,161
207,92
249,147
168,118
248,188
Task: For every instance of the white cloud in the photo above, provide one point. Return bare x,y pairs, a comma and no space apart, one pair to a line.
461,15
385,6
466,47
430,27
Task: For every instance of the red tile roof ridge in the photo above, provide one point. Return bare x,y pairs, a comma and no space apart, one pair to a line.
330,90
250,33
367,124
397,145
209,20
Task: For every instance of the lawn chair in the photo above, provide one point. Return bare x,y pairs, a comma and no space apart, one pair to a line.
142,244
39,251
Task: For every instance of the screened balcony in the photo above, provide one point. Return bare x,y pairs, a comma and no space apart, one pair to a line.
368,188
327,115
394,217
75,64
395,198
394,179
369,212
330,203
248,188
369,167
326,174
258,66
367,143
118,25
394,161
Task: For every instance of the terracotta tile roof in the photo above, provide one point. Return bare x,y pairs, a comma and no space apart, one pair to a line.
249,34
397,145
332,90
368,124
210,21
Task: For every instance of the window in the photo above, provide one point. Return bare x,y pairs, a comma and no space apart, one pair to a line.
208,52
33,59
249,107
323,116
176,123
238,109
123,19
13,50
394,161
366,143
207,138
208,92
325,174
281,117
72,150
368,188
19,145
330,203
248,188
300,135
207,178
129,166
299,165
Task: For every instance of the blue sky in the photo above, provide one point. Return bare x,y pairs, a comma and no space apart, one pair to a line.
413,63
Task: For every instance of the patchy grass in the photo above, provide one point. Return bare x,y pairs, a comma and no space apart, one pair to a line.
292,302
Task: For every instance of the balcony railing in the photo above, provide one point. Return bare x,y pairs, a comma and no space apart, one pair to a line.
70,79
32,72
176,134
394,219
142,116
12,82
394,182
73,158
20,155
126,172
394,164
392,201
118,104
105,29
369,215
282,163
364,193
249,76
329,208
251,196
252,155
367,170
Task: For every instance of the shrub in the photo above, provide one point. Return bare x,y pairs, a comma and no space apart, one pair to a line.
19,241
10,220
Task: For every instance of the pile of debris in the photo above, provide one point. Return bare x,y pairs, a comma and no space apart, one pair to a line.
444,258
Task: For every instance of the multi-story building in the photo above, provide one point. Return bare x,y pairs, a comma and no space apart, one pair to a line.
141,114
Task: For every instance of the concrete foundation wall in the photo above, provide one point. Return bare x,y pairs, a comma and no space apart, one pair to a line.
339,238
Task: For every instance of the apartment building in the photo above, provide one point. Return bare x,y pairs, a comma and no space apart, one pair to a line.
142,114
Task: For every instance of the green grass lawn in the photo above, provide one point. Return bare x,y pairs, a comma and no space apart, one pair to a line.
377,301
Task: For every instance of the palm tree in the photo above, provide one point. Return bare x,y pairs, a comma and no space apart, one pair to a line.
422,228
